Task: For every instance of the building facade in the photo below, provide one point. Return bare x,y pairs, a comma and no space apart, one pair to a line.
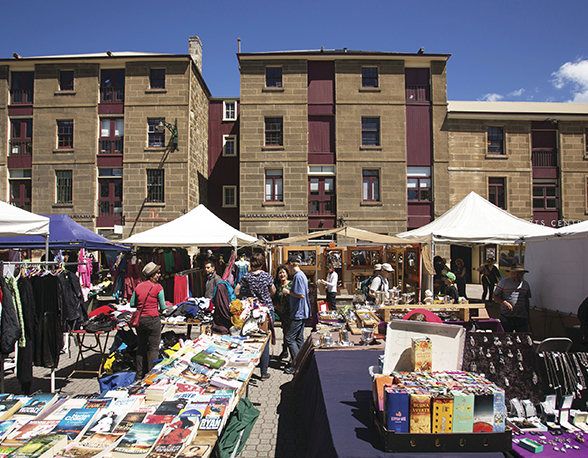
117,141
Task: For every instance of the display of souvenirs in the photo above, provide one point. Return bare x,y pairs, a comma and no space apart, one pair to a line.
421,355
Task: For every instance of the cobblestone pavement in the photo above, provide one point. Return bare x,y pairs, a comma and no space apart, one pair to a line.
278,431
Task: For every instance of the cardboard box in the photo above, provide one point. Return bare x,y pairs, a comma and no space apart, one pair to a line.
421,355
442,418
463,412
420,413
396,411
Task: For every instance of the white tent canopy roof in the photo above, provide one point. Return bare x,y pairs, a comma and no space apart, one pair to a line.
342,232
574,231
475,220
199,227
15,222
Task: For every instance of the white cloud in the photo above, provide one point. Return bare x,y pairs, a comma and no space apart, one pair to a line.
491,97
517,93
576,74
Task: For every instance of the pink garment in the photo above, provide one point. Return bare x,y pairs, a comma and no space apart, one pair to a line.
133,277
180,289
85,270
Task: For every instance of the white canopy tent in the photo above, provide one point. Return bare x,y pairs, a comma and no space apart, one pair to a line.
199,227
558,267
474,220
15,222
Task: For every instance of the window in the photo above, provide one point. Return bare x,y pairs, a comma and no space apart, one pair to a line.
110,190
370,131
418,184
155,186
369,77
20,188
497,192
156,137
371,185
545,196
495,140
65,134
157,78
112,86
229,145
273,77
229,196
21,88
321,196
66,80
274,132
111,135
21,140
274,185
229,110
63,186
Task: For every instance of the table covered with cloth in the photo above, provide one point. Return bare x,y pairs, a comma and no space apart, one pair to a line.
336,410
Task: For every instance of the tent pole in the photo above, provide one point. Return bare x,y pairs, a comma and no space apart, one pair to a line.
47,247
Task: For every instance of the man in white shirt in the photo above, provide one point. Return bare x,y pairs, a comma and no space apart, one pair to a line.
380,283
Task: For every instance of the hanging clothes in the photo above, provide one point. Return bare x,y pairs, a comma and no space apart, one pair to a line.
180,289
10,330
24,361
49,329
12,284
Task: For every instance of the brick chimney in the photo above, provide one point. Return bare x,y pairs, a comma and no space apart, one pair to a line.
195,50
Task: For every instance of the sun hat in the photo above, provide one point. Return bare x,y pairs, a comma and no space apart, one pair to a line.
450,275
150,269
387,267
518,268
378,267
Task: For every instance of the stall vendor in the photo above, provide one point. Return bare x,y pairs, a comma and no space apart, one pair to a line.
513,293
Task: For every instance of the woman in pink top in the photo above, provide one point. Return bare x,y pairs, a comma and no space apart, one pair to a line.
150,298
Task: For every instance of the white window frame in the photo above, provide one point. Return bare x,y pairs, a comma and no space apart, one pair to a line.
225,189
228,118
225,139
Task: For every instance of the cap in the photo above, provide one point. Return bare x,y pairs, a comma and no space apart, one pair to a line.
387,267
294,258
378,267
150,269
450,275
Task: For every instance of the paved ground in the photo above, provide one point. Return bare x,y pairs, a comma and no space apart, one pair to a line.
277,433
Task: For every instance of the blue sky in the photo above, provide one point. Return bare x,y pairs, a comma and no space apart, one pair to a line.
510,50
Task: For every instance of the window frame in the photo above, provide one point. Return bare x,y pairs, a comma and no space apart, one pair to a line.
116,142
366,79
232,111
64,187
489,141
155,192
226,140
494,190
419,174
65,134
63,80
23,138
26,91
274,81
277,181
368,197
546,197
157,81
153,134
226,190
25,184
276,136
367,134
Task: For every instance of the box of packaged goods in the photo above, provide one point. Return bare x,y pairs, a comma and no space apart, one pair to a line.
441,412
421,355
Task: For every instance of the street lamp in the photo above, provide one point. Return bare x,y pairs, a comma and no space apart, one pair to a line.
173,128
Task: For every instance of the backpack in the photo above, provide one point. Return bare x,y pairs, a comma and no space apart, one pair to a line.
365,286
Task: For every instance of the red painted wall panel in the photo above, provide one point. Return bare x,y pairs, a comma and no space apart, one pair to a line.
418,135
321,82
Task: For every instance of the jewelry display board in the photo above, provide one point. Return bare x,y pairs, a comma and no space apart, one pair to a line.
565,374
507,359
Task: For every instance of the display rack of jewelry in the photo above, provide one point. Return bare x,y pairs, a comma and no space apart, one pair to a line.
566,374
507,359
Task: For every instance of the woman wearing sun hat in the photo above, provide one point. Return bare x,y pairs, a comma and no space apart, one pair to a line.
150,298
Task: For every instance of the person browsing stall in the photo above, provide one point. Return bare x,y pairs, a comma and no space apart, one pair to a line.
150,297
259,284
513,294
212,279
331,284
490,276
299,308
450,288
282,304
380,282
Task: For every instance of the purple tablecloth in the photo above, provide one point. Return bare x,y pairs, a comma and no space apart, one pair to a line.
335,408
548,449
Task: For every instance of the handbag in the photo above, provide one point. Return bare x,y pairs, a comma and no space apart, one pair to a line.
134,321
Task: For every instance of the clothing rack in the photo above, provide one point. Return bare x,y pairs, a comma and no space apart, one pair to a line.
189,271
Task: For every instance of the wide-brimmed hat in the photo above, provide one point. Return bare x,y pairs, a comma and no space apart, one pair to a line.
387,267
150,269
518,268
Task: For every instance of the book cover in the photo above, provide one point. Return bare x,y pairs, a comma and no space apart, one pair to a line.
175,436
420,413
75,422
95,446
422,355
98,403
129,420
42,446
396,410
499,411
138,441
483,413
195,451
378,389
6,427
25,432
37,404
8,407
463,412
442,418
63,408
208,360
